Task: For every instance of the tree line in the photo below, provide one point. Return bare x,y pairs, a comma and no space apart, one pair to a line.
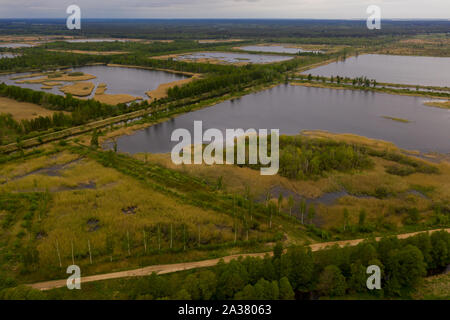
297,273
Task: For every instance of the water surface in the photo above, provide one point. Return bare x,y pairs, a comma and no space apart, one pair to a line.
95,40
231,57
119,80
275,48
430,71
15,45
295,108
7,55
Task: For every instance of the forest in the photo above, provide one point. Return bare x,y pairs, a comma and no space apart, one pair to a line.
295,273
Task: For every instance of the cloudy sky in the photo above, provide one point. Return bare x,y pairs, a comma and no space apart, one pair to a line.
316,9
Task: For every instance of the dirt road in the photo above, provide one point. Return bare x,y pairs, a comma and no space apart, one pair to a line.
169,268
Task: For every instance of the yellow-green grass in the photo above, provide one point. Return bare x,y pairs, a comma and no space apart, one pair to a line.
423,45
108,201
80,89
434,187
98,53
433,288
114,99
23,110
439,104
396,119
161,91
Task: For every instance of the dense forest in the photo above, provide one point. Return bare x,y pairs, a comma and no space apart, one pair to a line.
221,29
296,273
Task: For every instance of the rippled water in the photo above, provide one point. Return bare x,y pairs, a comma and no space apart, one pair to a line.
295,108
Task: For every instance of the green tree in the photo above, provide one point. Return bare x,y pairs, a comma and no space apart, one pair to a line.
346,218
332,282
280,202
404,268
311,213
183,294
278,250
298,266
362,217
94,139
286,292
201,285
232,279
290,204
358,278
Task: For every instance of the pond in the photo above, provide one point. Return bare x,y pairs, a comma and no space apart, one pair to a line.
94,40
275,49
7,55
119,80
295,108
231,57
430,71
16,45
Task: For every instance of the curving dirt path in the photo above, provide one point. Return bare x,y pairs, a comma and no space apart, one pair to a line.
169,268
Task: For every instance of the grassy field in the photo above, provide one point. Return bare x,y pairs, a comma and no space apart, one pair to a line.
22,110
439,104
112,216
420,45
434,288
79,89
387,196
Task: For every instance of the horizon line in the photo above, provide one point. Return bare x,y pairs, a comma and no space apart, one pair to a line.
329,19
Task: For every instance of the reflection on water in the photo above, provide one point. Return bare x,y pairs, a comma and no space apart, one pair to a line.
432,71
15,45
232,57
295,108
279,49
94,40
119,80
7,55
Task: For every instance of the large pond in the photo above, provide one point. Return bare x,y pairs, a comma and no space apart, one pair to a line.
15,45
7,55
95,40
231,57
119,80
432,71
295,108
275,49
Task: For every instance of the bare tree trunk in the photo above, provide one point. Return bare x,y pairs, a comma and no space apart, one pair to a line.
184,237
159,238
59,255
73,259
145,243
128,242
171,236
270,222
90,254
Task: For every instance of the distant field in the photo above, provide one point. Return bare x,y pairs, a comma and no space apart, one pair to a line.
22,110
434,288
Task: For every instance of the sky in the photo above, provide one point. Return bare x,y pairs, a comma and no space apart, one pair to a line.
279,9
